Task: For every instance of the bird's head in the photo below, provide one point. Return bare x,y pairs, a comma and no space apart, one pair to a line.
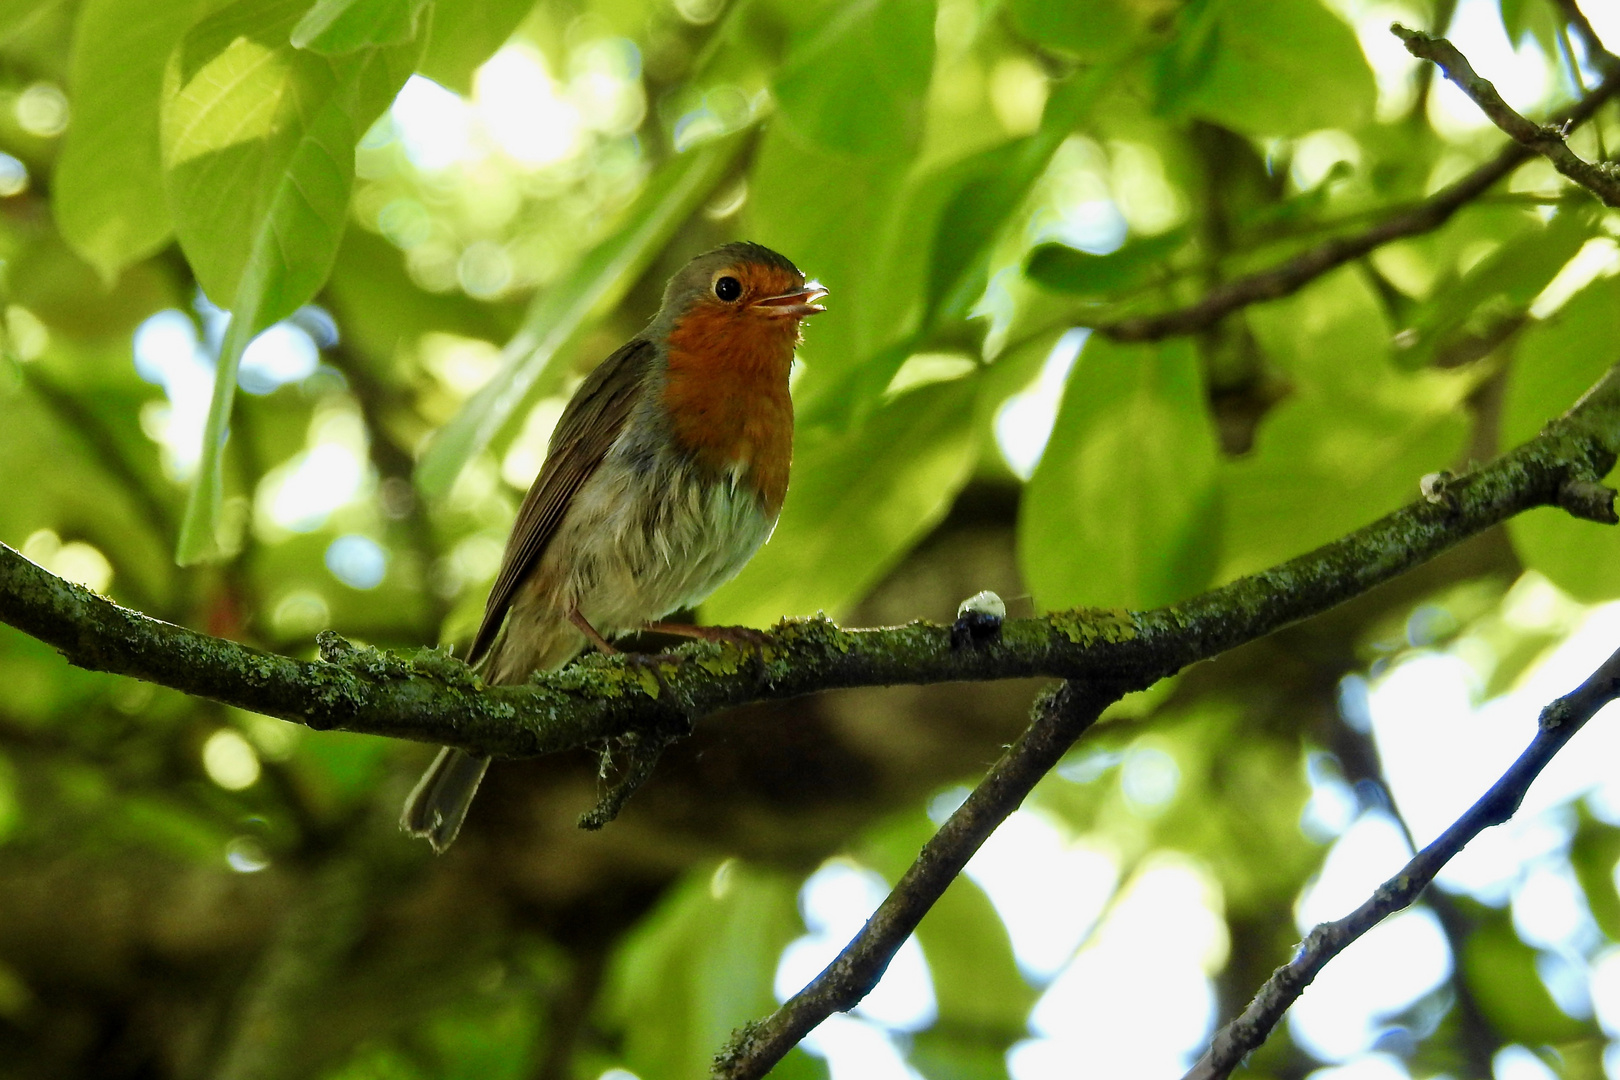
741,293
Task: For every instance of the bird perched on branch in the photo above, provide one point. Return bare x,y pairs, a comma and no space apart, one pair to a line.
664,475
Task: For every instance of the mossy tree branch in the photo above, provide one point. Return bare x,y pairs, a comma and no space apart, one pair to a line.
1214,621
431,697
1103,654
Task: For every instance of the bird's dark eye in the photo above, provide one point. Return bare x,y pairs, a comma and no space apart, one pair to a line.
728,288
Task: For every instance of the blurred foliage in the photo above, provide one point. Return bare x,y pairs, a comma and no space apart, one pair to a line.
190,890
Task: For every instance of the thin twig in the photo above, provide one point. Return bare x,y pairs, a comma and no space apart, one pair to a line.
1601,179
1058,721
1443,12
1559,722
1600,57
1293,274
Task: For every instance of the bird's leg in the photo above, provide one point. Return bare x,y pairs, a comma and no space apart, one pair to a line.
740,636
746,639
584,626
639,661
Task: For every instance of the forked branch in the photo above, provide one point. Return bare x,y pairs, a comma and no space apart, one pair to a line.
1559,723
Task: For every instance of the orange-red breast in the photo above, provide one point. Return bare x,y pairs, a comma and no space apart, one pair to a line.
664,475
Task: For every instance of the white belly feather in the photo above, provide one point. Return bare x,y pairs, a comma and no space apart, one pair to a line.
635,545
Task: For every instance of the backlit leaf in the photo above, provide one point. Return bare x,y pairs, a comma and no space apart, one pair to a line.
1554,363
1122,510
335,27
1281,67
108,182
561,313
258,156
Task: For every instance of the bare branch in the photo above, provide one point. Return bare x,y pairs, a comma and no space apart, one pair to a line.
1559,722
1293,274
1059,720
1602,180
1601,58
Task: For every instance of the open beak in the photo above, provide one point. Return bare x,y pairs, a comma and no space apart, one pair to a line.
798,304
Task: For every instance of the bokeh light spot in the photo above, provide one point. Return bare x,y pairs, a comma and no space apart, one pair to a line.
230,760
357,561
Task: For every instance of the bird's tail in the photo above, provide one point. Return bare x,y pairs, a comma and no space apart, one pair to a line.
438,805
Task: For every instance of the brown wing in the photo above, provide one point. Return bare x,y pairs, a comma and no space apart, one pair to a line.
588,427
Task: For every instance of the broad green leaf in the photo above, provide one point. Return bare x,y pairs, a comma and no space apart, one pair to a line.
1280,67
1554,364
1122,510
988,188
832,172
1184,62
855,84
1090,29
464,34
23,20
258,153
1593,856
825,234
1500,971
857,503
1065,269
1515,17
108,184
1353,439
939,252
1539,20
561,314
1499,287
701,965
336,27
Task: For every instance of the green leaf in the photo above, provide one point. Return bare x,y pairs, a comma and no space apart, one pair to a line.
1353,439
1554,364
336,27
701,965
465,33
856,84
1064,269
23,19
1280,67
857,503
944,240
108,185
832,179
1184,62
1500,286
1593,856
1122,510
987,189
1500,971
561,314
258,153
1090,29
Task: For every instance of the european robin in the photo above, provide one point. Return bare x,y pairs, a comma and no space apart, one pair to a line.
664,475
